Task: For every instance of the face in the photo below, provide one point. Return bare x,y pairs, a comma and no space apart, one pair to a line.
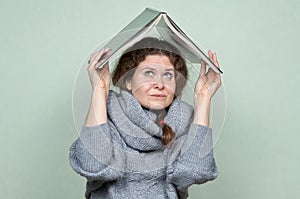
153,83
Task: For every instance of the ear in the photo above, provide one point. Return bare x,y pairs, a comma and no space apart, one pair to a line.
128,85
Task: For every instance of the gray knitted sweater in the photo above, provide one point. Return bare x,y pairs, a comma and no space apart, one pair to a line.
124,158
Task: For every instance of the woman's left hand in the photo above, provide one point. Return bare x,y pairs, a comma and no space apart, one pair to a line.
207,83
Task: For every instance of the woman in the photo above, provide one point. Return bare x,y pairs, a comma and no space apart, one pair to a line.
145,142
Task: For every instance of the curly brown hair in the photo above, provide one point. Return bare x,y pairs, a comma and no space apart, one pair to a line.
134,55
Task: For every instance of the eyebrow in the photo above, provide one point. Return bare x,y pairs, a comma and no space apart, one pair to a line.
170,69
151,68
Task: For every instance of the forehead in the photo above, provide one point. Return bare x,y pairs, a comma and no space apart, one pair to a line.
157,60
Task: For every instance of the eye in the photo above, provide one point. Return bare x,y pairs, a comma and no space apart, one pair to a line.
168,75
149,73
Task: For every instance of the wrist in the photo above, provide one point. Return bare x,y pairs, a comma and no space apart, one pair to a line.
99,94
202,101
201,110
98,89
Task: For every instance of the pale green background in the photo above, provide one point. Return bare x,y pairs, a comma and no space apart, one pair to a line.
43,44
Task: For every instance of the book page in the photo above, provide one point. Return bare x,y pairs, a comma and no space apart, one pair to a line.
181,38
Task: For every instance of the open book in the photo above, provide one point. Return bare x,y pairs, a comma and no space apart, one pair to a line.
152,23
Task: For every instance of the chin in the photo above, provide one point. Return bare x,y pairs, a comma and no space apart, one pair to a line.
157,106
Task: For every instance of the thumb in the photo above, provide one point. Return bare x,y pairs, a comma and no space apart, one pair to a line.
203,68
101,83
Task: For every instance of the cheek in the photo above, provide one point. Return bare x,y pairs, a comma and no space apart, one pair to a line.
138,83
170,87
141,87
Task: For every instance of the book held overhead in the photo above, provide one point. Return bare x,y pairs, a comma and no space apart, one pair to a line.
152,23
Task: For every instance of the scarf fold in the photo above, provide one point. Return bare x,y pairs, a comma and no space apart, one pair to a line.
137,126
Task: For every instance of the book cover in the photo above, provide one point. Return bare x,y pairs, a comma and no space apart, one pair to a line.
152,23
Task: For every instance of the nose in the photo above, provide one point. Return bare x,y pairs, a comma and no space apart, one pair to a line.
158,84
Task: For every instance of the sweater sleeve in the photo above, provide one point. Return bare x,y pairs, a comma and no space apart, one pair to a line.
93,156
195,164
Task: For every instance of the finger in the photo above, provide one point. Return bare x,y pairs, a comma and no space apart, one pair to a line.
210,55
103,58
105,76
92,60
200,83
203,68
95,59
104,72
101,83
96,53
93,55
215,61
104,69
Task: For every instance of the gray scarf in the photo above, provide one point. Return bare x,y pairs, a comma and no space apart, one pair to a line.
137,126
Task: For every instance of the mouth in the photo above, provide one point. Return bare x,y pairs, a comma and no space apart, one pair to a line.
158,95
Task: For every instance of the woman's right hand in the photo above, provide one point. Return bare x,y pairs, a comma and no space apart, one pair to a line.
99,78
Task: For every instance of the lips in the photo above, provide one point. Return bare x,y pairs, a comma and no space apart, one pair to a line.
158,95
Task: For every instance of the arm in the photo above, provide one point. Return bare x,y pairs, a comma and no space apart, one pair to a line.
97,113
196,164
201,111
92,155
206,86
100,80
